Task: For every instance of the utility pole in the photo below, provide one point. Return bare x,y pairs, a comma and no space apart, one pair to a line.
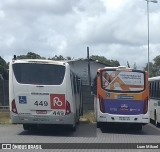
89,71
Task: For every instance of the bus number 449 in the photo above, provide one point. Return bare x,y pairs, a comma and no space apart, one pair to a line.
41,103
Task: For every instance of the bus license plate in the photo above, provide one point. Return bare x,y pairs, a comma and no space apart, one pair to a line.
58,113
124,118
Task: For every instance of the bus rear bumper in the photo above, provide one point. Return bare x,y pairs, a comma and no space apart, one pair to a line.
43,119
143,119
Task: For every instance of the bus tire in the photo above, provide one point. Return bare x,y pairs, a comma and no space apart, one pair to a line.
77,121
26,126
78,117
73,127
138,127
155,119
156,123
99,125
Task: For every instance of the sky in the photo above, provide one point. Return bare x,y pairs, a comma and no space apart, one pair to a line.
116,29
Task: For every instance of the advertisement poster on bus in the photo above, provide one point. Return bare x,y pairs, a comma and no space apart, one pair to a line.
122,80
120,87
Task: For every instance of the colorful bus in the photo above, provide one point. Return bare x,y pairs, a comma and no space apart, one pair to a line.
122,96
43,92
154,103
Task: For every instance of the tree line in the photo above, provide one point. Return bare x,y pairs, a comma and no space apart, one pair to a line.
4,66
153,66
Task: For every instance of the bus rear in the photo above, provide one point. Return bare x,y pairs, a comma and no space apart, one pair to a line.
38,93
122,96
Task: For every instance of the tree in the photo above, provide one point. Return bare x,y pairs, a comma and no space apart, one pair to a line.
156,65
157,60
69,58
151,69
154,68
30,55
104,60
4,68
114,63
60,58
128,64
135,66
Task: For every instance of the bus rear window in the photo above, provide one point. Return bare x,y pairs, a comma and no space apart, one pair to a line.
123,81
41,74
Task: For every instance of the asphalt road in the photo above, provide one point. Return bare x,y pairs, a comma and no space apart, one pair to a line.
85,133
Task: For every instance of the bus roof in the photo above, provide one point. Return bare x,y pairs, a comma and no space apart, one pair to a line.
39,61
116,68
154,78
120,68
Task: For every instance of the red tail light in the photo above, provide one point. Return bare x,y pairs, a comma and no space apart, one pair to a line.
145,108
68,108
101,104
14,108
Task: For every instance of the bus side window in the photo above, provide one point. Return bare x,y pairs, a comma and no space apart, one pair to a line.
78,84
74,84
157,90
150,89
95,86
154,89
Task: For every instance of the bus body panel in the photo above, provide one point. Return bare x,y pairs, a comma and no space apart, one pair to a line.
105,117
122,107
154,103
42,104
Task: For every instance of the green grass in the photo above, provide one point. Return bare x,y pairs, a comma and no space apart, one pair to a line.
4,117
88,117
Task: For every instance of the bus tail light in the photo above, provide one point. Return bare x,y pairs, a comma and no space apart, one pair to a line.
145,108
68,108
14,108
101,104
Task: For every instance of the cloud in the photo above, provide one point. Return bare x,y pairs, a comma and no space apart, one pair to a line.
111,27
38,6
115,29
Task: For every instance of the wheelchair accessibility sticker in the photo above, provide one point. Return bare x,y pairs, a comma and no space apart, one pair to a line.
22,100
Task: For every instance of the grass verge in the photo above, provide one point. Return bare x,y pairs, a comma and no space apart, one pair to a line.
88,117
4,117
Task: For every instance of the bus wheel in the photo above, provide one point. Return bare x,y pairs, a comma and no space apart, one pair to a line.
99,125
73,127
77,121
26,127
155,119
139,127
157,123
78,117
29,127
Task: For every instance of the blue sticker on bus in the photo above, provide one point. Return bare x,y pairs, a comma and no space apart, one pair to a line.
125,97
124,107
22,100
108,94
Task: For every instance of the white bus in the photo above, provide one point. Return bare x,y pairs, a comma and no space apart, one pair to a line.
122,97
43,92
154,91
